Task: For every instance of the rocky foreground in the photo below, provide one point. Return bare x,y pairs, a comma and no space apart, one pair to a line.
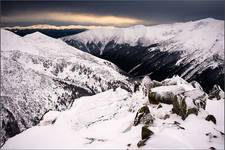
168,114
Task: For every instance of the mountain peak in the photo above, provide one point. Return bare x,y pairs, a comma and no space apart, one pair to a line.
37,35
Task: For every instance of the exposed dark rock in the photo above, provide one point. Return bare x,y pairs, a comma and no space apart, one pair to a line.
181,108
136,86
143,116
91,140
216,92
222,133
145,133
155,98
184,101
210,76
177,123
166,117
9,125
211,118
159,106
141,143
212,148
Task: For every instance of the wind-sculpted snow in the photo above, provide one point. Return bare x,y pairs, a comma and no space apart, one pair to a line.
193,50
108,120
39,73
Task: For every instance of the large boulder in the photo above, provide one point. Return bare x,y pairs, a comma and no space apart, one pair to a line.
143,116
186,98
189,102
164,94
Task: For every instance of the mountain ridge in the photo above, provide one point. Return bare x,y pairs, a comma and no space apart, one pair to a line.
191,49
40,73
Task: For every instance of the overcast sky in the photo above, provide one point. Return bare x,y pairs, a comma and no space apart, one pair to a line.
108,13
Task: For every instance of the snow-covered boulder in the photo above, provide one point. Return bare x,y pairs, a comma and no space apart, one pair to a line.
147,84
185,98
165,94
175,80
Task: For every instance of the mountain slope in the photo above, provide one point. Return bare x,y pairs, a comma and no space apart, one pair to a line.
106,120
193,50
39,74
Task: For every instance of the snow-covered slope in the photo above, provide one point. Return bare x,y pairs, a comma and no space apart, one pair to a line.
39,73
106,120
193,50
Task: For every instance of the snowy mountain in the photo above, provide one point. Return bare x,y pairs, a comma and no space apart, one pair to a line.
122,120
53,27
39,73
55,96
50,30
194,50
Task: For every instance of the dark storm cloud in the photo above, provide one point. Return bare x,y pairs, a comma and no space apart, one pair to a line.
145,12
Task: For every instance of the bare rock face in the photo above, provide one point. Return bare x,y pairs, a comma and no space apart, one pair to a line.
143,116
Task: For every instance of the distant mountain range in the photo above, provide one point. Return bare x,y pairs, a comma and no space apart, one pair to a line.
51,30
194,50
